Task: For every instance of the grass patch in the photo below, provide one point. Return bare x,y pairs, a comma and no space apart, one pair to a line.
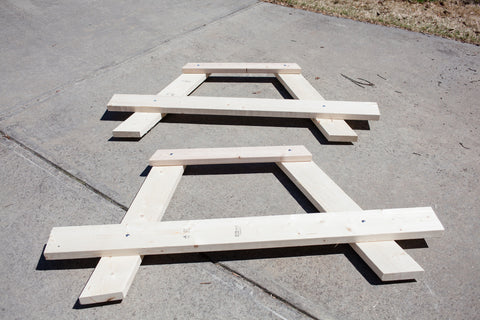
453,19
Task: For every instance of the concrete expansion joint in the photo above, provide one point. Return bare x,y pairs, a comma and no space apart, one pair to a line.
62,170
234,273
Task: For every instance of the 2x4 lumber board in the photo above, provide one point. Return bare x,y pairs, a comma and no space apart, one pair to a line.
176,157
139,123
300,88
228,106
386,258
318,187
241,67
241,233
336,130
111,279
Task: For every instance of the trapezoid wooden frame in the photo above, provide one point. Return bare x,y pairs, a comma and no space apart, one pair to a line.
335,129
116,270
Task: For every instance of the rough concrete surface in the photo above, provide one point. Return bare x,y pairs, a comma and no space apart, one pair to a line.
60,64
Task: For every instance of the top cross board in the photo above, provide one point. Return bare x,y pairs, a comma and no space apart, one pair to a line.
242,68
332,126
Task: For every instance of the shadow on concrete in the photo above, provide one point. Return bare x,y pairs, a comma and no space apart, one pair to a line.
175,258
79,306
256,254
115,116
124,139
358,124
44,264
146,171
413,244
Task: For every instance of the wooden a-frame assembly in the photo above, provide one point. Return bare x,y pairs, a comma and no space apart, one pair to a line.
328,116
121,247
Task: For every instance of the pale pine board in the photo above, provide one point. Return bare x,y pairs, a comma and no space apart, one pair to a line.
241,67
139,123
300,88
175,157
245,107
387,259
113,276
241,233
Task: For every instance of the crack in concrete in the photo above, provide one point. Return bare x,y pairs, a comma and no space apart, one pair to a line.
64,171
262,288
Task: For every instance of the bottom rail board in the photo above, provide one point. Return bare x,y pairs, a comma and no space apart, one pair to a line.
241,233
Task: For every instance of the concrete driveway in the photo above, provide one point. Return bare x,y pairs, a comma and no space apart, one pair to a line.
61,63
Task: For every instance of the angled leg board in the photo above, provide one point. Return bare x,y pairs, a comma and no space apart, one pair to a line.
139,123
331,125
387,259
300,88
113,276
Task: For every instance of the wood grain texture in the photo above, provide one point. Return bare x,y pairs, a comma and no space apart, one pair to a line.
300,88
241,67
113,276
241,233
139,123
175,157
387,259
245,107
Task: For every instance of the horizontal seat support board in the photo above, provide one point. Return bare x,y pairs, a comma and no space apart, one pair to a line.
176,157
241,233
228,106
241,67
